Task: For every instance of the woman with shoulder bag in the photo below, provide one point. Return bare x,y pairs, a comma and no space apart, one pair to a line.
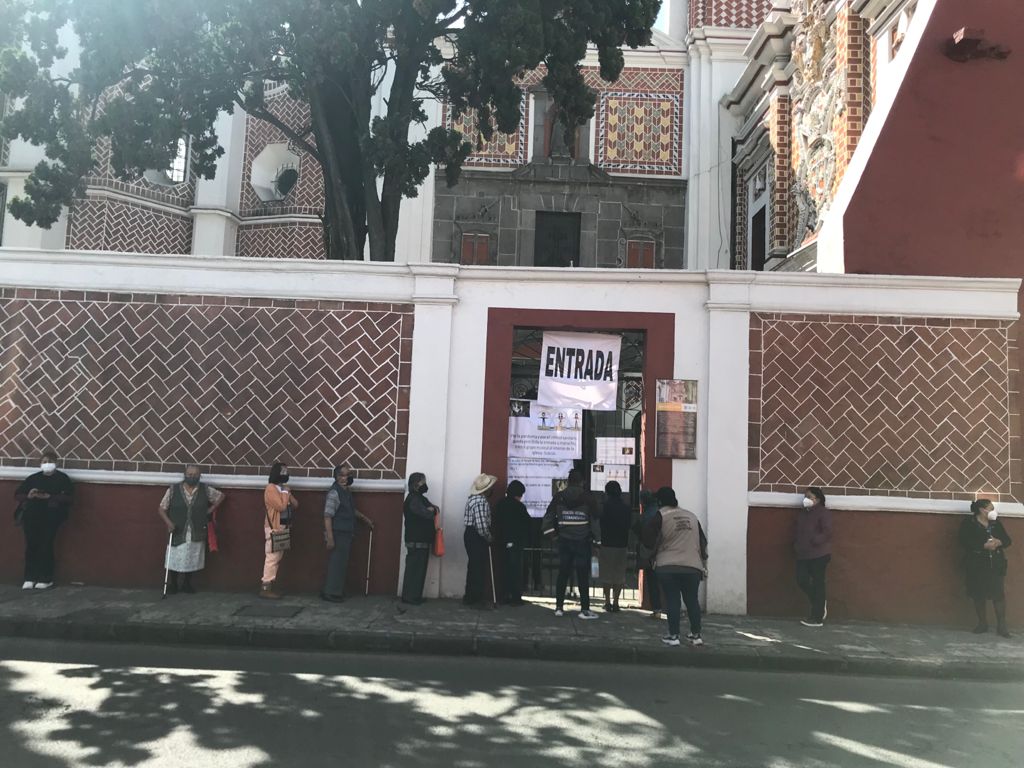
984,541
280,506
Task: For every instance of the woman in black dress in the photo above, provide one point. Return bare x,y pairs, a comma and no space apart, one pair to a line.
984,540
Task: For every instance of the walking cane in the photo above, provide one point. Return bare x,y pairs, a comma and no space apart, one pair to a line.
369,555
167,569
490,559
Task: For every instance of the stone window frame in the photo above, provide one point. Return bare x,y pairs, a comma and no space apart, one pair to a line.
755,203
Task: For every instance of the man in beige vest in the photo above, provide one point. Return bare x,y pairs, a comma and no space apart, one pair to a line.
680,560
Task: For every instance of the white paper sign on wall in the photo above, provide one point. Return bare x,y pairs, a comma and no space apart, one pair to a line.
579,369
545,432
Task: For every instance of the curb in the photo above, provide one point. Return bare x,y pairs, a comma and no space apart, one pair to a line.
499,647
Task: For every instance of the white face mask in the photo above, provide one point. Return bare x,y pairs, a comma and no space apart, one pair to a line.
48,467
808,502
992,515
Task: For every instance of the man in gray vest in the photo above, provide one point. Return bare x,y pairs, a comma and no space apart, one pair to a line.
340,515
186,510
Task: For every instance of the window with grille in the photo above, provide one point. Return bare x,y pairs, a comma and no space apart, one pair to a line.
476,249
639,254
179,166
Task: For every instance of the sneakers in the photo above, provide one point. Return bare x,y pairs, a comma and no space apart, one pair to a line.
655,615
43,585
812,623
29,585
672,640
588,615
267,593
559,612
695,640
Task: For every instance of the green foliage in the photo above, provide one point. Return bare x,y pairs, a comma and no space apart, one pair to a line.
152,71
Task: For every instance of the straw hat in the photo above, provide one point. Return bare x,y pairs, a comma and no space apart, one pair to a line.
482,484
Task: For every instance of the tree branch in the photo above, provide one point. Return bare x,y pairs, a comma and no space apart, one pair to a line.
262,113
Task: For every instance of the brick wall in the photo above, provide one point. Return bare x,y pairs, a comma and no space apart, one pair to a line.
143,382
281,241
728,13
851,45
106,224
886,406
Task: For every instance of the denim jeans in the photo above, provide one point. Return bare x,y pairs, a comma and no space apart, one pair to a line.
685,584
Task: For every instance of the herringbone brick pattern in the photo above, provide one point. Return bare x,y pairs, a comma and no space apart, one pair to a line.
728,13
98,224
307,198
143,382
884,406
281,241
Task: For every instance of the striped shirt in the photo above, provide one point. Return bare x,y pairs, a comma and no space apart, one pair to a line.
478,515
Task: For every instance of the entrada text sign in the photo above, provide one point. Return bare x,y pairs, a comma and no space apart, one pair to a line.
579,370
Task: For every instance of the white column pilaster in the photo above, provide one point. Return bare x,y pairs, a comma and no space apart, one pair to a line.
728,365
215,213
435,298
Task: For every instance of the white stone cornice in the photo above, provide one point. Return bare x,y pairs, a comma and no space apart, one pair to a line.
200,210
102,477
880,504
99,193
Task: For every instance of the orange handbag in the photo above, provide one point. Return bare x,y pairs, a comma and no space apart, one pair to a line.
438,548
211,534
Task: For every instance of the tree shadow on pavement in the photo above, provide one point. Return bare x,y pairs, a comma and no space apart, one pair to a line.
373,715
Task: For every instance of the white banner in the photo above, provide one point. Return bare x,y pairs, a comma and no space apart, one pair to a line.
601,474
579,369
536,475
544,432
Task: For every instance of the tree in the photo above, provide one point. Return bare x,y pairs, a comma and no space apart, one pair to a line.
152,71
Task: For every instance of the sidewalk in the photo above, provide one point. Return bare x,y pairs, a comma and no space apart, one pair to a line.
384,625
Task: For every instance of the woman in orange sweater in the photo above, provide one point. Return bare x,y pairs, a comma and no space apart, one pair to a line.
280,506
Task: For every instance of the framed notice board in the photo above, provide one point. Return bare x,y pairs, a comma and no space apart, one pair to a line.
676,420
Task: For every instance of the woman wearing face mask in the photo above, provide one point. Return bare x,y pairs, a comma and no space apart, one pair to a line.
813,547
186,509
984,539
44,499
419,535
280,505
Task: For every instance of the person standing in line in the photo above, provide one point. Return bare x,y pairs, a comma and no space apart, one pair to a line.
984,541
615,521
340,515
186,509
477,538
572,518
512,521
644,556
681,558
420,528
280,506
43,503
813,547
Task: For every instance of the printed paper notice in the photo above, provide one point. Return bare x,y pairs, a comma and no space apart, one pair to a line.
544,432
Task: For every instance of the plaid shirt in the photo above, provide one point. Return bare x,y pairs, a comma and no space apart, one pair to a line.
478,515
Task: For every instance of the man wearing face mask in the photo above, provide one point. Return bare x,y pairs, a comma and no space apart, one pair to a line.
340,516
44,500
186,509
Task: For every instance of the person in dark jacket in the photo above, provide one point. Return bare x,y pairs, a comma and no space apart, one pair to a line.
419,516
513,523
645,556
615,519
813,547
340,515
44,500
984,541
572,517
187,509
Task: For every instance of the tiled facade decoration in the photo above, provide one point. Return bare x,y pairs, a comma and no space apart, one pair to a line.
504,150
307,197
888,406
143,382
640,132
281,241
105,224
728,13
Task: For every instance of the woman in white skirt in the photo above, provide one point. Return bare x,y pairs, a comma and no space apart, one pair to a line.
186,509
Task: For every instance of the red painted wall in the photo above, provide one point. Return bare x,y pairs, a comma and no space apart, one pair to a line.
943,190
114,538
896,567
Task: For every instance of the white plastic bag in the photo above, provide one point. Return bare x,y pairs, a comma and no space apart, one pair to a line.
595,568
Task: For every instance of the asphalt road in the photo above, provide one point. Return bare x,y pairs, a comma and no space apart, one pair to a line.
65,704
